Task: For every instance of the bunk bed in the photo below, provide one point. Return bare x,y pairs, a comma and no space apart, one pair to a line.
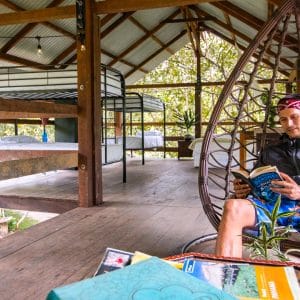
59,85
112,96
144,139
135,103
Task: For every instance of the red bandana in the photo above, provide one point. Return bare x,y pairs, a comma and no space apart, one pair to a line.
292,101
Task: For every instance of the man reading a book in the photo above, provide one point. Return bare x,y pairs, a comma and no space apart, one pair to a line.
240,212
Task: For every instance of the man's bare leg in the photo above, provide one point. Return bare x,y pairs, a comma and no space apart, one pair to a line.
238,214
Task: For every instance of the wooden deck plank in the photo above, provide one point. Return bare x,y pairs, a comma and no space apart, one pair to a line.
157,212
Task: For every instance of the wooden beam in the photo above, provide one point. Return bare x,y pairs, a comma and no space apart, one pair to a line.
154,38
89,116
250,20
189,29
27,166
10,5
266,61
115,24
276,2
17,37
36,109
30,26
190,84
22,61
107,18
176,38
65,53
237,33
113,6
38,15
125,62
44,204
142,39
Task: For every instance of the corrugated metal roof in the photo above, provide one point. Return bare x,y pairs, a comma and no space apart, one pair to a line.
54,41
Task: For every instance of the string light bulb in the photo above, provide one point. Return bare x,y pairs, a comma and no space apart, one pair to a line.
39,47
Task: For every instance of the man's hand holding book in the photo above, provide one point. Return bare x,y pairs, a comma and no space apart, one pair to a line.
241,189
287,187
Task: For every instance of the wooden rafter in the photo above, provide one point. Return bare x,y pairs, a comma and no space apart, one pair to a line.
192,84
103,51
38,15
176,38
142,39
115,24
22,61
249,19
189,28
153,36
276,2
271,9
222,36
107,18
71,60
64,54
228,22
27,28
112,6
17,37
10,5
236,33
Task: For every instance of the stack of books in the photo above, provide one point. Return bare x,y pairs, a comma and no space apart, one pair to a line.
126,275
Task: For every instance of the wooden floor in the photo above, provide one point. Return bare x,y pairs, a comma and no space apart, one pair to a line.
157,211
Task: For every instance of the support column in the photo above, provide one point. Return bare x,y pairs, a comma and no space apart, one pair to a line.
198,86
298,76
89,147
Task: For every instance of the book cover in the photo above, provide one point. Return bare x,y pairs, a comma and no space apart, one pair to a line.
260,181
246,281
146,280
113,259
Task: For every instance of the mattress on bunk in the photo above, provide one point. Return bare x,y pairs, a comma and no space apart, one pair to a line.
38,146
114,153
135,142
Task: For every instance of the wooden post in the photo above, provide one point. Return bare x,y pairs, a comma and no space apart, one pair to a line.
198,87
88,58
118,125
298,76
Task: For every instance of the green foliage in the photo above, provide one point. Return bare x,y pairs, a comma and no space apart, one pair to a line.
185,120
217,60
26,222
272,113
270,236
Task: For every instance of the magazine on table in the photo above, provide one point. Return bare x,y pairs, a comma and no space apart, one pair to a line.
113,259
247,281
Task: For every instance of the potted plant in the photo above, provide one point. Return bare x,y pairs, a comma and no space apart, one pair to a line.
267,244
186,121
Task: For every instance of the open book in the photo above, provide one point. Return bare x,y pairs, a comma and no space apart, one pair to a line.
260,181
